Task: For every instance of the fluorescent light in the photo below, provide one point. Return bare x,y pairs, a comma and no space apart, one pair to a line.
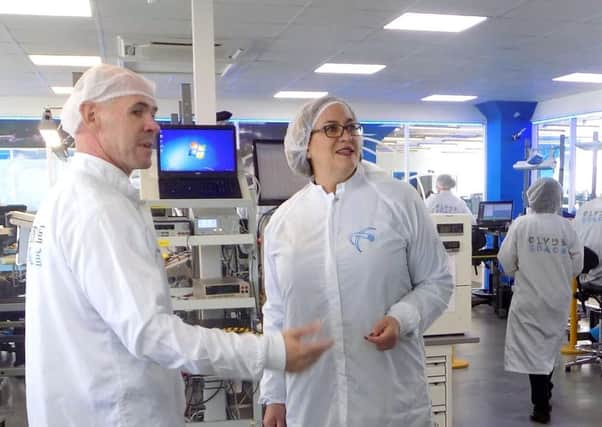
449,98
47,8
299,94
62,90
434,22
69,61
580,78
349,68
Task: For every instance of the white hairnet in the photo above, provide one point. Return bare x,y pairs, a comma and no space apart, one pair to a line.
445,182
102,83
299,130
545,195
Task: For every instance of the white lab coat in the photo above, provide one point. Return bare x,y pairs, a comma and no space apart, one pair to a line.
588,224
102,345
351,258
543,254
445,202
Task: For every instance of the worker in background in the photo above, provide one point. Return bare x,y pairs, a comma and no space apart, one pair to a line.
444,202
543,253
358,249
588,224
103,347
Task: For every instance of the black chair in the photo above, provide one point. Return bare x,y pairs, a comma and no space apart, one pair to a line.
585,291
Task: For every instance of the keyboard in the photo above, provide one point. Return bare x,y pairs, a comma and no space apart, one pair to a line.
200,188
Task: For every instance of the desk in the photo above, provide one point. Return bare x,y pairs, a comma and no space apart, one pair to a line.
438,368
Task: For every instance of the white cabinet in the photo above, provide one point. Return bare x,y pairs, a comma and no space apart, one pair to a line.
438,375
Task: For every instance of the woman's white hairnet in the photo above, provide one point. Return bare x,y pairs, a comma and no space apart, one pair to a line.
102,83
299,130
545,195
445,182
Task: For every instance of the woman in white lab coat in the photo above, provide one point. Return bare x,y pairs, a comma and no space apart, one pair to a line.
543,254
357,249
444,201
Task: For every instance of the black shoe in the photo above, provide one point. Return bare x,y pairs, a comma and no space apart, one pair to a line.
540,417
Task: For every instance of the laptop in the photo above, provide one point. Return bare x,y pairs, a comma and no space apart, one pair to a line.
277,182
494,214
197,162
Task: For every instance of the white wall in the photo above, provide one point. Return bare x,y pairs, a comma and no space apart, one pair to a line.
275,109
582,103
467,167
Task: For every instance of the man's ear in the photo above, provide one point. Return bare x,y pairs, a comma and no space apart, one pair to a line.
89,114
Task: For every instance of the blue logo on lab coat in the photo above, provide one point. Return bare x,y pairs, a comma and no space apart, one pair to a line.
358,236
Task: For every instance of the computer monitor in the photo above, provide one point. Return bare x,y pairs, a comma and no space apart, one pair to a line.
277,182
193,149
494,214
197,162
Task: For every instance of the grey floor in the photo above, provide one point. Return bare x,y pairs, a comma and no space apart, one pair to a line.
484,395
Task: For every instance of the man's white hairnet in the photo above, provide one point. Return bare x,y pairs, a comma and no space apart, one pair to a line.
445,182
545,195
102,83
299,130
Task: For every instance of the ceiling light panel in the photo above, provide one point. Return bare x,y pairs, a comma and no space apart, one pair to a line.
449,98
434,22
580,78
67,61
62,90
350,68
295,94
80,8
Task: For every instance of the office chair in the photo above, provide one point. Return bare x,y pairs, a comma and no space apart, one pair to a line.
584,292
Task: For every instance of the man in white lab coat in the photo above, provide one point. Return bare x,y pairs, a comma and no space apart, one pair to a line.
543,253
358,249
443,201
103,347
588,224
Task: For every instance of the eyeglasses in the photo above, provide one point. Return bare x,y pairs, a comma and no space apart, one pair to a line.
335,130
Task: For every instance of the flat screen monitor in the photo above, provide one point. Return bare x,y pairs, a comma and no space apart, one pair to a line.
194,149
276,180
499,212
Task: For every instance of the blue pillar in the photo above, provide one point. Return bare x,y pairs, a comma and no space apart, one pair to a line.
505,119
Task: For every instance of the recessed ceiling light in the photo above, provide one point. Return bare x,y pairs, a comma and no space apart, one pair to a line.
580,78
434,22
62,90
299,94
349,68
47,8
69,61
449,98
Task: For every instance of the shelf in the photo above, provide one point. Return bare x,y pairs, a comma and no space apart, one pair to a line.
217,303
199,203
229,423
207,240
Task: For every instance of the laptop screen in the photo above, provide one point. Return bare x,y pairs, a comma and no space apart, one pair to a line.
196,149
495,212
277,182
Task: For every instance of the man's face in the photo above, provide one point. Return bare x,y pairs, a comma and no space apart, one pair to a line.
127,131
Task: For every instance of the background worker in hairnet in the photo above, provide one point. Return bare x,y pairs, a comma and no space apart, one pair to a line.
103,347
358,249
543,253
443,201
588,224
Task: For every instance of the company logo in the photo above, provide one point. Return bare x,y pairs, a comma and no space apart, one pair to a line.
197,150
364,234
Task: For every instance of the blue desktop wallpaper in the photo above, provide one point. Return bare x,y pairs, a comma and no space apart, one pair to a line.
192,150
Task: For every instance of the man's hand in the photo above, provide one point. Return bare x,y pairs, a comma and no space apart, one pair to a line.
385,333
275,415
300,355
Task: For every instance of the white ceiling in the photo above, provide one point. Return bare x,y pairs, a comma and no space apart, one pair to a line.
512,56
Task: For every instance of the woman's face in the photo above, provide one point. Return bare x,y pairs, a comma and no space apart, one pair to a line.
335,157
